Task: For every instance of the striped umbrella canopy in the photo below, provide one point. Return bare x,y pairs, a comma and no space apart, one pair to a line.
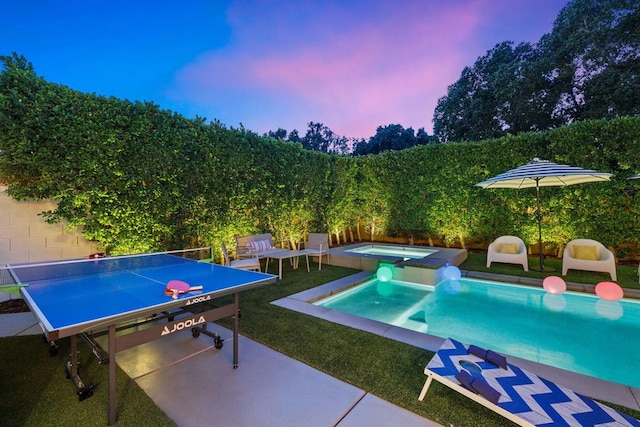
543,173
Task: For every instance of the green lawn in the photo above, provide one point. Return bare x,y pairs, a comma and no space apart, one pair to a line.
35,391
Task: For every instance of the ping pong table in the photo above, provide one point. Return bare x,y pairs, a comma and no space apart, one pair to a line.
123,297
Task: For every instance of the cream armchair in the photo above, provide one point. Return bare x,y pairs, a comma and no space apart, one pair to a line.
317,245
588,255
508,249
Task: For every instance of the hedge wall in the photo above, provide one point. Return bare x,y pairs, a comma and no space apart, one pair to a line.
138,178
431,190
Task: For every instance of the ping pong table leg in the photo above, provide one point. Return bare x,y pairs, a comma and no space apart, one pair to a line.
236,323
112,374
83,392
73,366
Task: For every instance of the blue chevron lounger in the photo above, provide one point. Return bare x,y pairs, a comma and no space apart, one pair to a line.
518,395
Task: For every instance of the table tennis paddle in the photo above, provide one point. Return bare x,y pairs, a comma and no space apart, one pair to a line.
96,255
176,287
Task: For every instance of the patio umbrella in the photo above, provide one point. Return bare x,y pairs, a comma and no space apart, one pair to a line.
543,173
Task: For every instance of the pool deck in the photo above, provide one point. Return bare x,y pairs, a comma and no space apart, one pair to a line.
589,386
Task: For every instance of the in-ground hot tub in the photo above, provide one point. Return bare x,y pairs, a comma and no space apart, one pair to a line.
405,252
418,264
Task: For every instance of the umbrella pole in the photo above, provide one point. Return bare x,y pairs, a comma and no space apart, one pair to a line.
539,227
539,214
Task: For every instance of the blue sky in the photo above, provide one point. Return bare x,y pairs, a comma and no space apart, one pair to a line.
351,65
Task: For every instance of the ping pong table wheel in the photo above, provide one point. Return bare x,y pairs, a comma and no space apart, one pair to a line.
195,332
85,392
53,349
217,341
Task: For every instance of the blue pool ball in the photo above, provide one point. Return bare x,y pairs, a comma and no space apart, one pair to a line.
452,273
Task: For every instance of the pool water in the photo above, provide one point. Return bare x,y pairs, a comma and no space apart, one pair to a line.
573,331
399,251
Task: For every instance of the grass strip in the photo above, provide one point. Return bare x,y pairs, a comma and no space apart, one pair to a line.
627,276
35,391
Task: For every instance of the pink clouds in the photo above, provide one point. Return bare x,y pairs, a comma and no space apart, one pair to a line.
351,67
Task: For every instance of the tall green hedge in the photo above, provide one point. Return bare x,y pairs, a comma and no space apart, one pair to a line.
431,189
138,178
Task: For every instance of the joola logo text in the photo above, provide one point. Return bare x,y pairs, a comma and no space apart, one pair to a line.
189,323
198,299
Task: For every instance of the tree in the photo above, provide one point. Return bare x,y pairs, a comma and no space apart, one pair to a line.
321,138
500,94
294,136
593,54
280,134
318,138
391,137
423,138
586,68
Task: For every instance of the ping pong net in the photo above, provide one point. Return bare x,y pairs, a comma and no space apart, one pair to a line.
32,272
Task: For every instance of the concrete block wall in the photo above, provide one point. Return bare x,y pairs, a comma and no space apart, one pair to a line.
26,237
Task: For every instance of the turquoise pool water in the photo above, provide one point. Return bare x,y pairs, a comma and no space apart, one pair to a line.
388,250
573,331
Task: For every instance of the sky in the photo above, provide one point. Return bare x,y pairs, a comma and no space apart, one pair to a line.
352,65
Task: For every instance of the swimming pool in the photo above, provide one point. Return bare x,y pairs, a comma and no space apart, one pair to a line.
393,250
573,331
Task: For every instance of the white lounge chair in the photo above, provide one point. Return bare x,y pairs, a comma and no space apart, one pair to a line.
252,264
317,244
588,255
518,395
508,249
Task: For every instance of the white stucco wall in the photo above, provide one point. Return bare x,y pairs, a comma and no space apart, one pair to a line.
26,237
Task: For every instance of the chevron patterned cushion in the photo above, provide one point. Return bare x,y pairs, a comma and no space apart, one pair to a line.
465,379
485,390
496,359
477,351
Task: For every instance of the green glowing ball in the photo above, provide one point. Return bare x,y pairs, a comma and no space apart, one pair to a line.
384,273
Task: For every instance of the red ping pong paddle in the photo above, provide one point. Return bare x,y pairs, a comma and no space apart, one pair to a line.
96,255
176,287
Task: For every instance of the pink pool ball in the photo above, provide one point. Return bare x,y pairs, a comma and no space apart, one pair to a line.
554,285
609,291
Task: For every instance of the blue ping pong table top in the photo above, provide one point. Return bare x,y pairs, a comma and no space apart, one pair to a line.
106,294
